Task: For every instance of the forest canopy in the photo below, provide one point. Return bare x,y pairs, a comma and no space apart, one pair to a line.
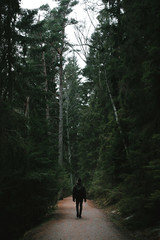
54,127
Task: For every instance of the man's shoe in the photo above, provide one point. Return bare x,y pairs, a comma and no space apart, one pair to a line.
79,216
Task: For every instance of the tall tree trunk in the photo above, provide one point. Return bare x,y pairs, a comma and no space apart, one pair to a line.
9,54
60,109
68,141
115,113
26,110
46,84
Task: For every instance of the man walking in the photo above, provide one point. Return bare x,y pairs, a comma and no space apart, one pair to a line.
79,193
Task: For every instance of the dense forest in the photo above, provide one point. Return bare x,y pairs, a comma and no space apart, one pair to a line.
54,127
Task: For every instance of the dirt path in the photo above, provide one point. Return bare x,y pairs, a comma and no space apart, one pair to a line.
93,225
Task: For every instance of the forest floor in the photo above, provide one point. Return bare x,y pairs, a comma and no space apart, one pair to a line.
64,225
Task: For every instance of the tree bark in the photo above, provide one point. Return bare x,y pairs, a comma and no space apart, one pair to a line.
26,111
45,84
60,110
68,141
116,114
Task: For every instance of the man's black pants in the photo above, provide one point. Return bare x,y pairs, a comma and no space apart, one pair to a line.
79,207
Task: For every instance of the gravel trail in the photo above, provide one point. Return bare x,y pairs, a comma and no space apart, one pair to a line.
94,225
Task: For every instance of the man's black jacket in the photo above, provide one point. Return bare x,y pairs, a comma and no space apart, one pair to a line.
79,193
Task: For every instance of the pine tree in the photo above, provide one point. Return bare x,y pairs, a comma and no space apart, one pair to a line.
9,11
61,21
72,111
122,70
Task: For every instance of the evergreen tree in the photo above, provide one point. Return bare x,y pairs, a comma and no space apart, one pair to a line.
8,13
122,69
71,111
29,143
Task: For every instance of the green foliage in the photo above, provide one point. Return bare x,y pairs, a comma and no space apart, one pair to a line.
72,112
123,80
8,12
112,127
29,176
